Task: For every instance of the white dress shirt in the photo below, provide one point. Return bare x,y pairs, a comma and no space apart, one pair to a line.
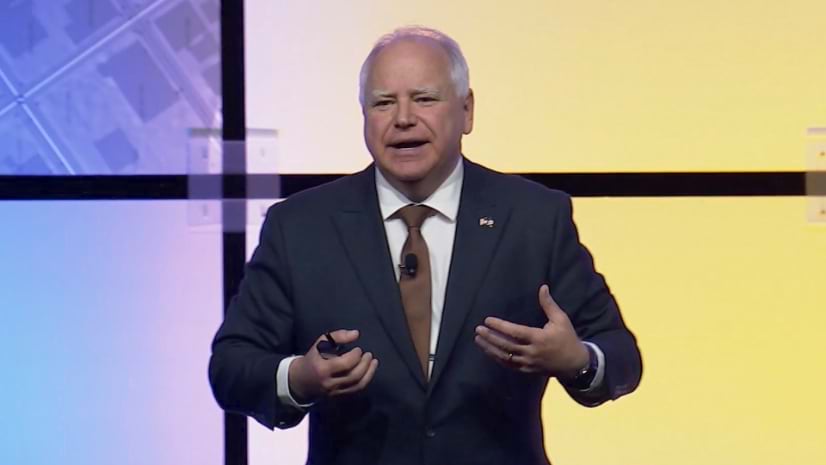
439,232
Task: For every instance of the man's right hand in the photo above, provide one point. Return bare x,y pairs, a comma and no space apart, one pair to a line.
313,377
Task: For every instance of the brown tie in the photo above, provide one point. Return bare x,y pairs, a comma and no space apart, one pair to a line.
415,288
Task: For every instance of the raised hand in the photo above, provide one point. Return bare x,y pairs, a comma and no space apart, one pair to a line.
554,349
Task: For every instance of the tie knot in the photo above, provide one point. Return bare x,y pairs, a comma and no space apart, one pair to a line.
414,215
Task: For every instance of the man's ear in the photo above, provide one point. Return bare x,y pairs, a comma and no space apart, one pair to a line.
468,109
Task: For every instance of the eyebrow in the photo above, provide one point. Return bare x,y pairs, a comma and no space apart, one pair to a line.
379,94
425,90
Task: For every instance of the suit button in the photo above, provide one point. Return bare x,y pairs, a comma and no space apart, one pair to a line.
430,433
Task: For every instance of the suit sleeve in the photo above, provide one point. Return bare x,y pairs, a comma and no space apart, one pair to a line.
257,333
585,297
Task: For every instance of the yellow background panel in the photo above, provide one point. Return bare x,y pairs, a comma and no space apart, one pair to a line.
727,299
637,85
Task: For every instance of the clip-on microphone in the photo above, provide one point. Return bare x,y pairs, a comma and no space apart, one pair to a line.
411,264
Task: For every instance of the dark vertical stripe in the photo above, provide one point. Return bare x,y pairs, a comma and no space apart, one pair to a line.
232,69
234,243
235,426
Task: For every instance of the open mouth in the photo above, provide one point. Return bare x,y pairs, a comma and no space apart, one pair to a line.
408,144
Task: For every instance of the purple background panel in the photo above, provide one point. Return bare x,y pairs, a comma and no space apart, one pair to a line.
108,313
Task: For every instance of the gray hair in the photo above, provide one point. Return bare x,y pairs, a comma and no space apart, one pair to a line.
459,73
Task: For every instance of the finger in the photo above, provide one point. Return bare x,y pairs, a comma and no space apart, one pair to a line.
548,304
364,381
353,376
340,336
501,342
520,334
344,336
494,352
515,362
344,363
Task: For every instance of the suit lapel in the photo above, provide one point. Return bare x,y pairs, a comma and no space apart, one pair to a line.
479,227
362,234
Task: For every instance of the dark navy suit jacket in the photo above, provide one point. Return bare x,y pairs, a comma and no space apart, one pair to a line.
323,264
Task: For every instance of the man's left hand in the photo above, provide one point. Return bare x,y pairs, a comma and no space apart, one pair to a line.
554,349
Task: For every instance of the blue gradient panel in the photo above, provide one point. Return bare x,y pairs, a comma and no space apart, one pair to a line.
108,310
5,94
107,86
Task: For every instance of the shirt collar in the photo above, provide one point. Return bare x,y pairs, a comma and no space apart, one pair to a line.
444,200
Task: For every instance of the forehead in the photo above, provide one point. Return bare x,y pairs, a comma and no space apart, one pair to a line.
410,61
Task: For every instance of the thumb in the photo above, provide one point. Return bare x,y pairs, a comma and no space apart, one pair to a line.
548,303
343,336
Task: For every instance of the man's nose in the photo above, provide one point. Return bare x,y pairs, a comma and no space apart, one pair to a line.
405,116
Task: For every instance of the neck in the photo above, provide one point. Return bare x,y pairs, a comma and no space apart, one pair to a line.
417,191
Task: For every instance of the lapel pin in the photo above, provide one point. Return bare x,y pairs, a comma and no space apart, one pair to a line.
486,222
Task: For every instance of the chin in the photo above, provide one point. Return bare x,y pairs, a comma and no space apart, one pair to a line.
408,176
407,171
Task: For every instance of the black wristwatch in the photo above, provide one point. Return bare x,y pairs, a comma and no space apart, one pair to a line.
584,377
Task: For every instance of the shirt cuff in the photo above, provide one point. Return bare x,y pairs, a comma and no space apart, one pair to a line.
597,381
282,384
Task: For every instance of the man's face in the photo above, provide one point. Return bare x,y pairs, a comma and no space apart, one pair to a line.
413,119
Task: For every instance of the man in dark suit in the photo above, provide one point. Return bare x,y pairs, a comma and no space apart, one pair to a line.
434,275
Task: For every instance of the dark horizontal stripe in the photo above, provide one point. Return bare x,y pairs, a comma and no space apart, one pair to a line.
675,184
139,187
724,184
261,186
93,187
